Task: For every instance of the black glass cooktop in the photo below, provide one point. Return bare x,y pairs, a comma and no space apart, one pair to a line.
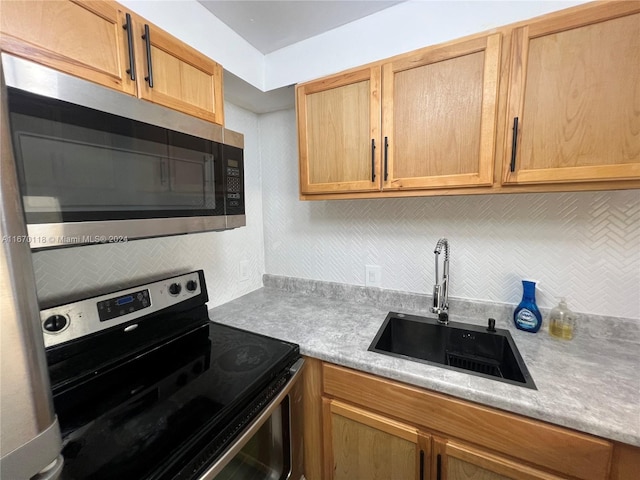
168,411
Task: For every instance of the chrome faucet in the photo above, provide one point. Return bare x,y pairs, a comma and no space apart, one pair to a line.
441,288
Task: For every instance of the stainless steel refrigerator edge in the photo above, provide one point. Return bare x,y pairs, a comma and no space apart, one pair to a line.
30,441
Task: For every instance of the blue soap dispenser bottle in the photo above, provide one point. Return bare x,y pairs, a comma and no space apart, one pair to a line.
527,317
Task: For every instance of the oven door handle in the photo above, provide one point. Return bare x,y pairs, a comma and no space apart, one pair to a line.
252,429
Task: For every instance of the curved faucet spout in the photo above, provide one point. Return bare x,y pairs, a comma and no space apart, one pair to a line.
443,242
441,287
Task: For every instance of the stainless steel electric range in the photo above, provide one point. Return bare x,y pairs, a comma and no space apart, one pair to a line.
145,386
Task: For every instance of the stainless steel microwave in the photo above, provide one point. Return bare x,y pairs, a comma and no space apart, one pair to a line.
95,165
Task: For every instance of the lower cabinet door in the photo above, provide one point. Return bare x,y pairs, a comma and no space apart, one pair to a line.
458,461
363,445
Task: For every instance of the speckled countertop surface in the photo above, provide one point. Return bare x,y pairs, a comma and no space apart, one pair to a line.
590,384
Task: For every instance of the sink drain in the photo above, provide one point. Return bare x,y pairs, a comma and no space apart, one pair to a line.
485,365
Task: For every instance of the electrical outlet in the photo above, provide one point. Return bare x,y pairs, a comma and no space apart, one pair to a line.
244,270
373,275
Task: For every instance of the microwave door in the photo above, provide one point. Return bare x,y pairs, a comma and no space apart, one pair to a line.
192,181
70,176
101,167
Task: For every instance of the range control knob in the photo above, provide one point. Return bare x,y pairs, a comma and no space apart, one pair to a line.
192,285
55,323
175,288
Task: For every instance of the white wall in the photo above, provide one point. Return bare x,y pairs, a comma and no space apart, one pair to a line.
395,30
585,246
62,272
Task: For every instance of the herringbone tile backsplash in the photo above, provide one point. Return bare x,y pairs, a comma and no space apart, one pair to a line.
585,246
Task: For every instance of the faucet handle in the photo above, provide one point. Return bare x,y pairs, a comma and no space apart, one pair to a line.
437,295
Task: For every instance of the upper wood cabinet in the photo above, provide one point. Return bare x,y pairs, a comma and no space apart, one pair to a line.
85,39
181,78
339,133
438,112
101,42
574,92
439,116
441,119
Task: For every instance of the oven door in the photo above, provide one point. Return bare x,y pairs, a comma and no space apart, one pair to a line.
270,448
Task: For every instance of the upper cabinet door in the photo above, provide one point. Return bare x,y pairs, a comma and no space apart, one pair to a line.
574,97
439,116
85,39
338,133
175,75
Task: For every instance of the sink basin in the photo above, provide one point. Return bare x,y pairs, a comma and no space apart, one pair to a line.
457,346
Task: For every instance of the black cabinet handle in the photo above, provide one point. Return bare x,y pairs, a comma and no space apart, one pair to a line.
373,160
421,465
386,158
132,64
439,467
514,144
147,40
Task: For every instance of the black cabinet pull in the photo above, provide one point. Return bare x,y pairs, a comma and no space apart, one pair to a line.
373,160
146,37
421,465
386,158
439,467
132,64
514,144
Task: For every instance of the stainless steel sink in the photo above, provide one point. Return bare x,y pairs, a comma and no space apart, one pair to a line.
484,351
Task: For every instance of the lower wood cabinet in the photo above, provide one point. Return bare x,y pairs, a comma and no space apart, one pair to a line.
363,427
363,445
360,444
453,460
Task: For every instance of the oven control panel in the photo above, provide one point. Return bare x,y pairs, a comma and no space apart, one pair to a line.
75,320
123,305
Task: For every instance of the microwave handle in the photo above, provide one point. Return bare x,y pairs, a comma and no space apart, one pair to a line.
164,174
209,175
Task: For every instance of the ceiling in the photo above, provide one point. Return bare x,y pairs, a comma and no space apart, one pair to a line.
271,25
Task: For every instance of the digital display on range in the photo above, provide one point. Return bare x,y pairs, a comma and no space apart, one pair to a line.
119,306
124,300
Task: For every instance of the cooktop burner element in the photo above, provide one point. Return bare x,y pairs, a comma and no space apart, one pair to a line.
243,359
160,401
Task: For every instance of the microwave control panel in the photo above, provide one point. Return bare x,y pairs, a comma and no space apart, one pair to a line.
234,180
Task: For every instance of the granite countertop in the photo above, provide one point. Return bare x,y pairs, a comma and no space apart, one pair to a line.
590,384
